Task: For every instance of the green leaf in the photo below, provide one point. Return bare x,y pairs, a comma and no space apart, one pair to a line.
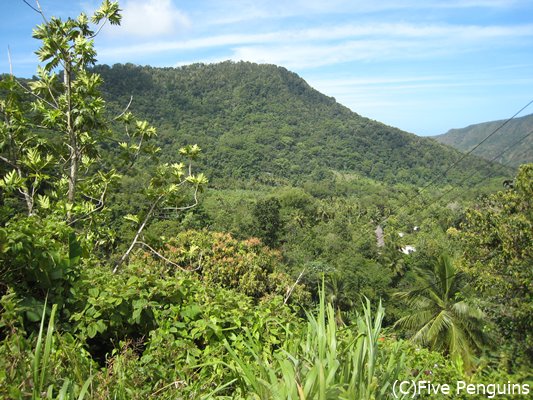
92,329
131,217
191,311
43,201
75,250
33,316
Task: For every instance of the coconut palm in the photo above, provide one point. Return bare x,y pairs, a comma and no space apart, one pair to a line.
439,316
337,294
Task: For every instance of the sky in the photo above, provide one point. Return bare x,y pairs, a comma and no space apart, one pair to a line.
424,66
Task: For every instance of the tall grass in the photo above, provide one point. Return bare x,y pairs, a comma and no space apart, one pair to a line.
324,361
41,371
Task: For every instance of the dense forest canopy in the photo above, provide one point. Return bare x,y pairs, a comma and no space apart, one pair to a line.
226,231
264,123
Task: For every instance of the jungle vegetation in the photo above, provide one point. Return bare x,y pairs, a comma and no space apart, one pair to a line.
226,231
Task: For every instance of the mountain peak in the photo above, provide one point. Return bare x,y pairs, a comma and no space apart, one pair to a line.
264,122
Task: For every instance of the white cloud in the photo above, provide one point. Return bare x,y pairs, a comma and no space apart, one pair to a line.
219,12
298,56
328,45
151,18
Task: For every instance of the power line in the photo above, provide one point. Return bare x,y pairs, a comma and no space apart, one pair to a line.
457,273
462,158
434,180
488,161
476,146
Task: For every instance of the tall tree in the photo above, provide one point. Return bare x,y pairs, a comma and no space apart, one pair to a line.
53,134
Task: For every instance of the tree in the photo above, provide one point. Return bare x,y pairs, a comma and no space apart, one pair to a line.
439,316
61,154
268,223
49,136
55,147
497,240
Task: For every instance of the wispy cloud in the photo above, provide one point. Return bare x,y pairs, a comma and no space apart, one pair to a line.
230,12
151,18
328,45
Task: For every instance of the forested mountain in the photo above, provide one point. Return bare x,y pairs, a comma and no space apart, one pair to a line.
465,139
265,123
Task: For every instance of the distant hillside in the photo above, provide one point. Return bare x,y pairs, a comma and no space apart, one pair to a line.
466,138
266,124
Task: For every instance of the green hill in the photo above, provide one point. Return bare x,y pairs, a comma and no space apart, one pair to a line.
266,124
466,138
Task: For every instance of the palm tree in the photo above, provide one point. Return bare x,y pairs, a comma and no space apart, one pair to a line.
337,295
439,316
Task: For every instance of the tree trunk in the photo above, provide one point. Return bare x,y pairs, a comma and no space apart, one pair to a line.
73,142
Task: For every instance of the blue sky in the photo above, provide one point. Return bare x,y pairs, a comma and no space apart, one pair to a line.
424,66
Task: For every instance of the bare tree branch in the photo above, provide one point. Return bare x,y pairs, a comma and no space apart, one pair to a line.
172,262
289,292
125,110
100,204
8,162
138,233
32,7
9,60
27,91
194,204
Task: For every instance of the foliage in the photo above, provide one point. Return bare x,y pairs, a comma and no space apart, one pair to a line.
439,316
508,134
268,223
324,362
72,109
220,260
56,366
156,297
265,124
39,257
170,326
497,241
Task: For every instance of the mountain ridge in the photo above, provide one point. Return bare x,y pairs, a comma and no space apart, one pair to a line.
509,132
263,122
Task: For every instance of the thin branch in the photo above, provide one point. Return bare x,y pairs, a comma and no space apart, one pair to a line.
99,29
147,218
136,238
100,205
8,162
53,97
185,207
40,11
136,155
172,262
293,286
35,95
125,110
9,59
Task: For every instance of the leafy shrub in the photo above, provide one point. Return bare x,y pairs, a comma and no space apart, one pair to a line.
43,365
162,326
39,257
245,265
